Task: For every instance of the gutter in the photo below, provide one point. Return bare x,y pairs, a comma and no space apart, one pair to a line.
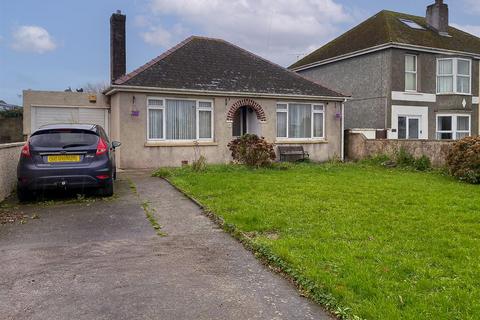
388,45
121,88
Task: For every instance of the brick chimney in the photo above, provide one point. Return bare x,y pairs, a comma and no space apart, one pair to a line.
437,17
118,59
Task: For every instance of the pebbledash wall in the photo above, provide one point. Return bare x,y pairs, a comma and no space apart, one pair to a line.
9,155
358,147
137,152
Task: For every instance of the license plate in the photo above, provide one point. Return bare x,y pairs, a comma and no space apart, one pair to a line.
64,158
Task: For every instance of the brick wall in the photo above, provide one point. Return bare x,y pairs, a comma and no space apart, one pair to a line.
358,147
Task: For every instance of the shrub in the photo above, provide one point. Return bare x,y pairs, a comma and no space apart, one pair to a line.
252,151
162,173
463,160
423,163
199,164
404,158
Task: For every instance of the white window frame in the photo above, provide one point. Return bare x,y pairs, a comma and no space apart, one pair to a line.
455,75
411,72
312,112
454,130
407,126
197,119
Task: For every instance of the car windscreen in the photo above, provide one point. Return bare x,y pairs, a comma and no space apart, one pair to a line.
63,138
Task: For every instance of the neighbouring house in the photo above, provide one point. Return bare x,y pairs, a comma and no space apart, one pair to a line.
194,99
409,77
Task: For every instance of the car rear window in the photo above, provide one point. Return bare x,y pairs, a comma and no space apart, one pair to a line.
61,138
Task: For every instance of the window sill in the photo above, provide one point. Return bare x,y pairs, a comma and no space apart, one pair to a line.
300,141
180,143
453,94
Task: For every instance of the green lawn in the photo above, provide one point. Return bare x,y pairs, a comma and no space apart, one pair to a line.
385,243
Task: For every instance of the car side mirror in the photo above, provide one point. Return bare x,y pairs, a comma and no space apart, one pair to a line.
116,144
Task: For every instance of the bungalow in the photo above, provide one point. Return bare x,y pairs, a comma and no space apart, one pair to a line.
194,99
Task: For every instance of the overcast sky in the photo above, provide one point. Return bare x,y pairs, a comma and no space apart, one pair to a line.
54,44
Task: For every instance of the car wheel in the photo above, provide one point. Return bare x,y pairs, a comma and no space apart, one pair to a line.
107,190
24,194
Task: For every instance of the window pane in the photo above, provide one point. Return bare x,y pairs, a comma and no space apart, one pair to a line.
413,128
410,81
463,67
282,106
204,104
318,125
155,124
411,63
445,136
463,123
181,119
318,108
299,121
461,135
205,124
281,124
444,123
445,67
155,102
402,128
463,84
445,84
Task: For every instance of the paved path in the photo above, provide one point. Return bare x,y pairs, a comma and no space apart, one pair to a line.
102,260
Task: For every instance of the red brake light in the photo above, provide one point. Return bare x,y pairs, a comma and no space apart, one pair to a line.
26,150
102,147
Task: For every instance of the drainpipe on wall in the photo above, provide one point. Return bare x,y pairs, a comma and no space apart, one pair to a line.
342,148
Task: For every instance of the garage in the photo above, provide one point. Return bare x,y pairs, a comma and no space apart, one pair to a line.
48,107
47,115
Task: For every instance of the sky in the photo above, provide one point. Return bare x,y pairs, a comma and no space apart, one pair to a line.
56,44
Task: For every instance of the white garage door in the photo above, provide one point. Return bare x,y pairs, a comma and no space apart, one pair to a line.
50,115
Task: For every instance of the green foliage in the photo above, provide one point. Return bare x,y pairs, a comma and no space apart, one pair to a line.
378,159
13,113
200,164
423,163
252,151
163,172
361,240
404,158
463,160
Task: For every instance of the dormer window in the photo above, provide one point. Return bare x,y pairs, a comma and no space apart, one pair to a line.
412,24
454,76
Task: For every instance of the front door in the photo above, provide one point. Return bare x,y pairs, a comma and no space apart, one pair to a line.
245,121
409,127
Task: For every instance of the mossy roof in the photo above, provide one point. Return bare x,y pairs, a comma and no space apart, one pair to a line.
385,27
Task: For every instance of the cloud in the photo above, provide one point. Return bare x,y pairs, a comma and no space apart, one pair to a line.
32,39
475,30
276,29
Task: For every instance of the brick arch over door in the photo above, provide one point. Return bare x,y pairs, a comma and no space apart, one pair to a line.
246,103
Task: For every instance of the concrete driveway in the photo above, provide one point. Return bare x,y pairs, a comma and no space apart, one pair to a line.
97,259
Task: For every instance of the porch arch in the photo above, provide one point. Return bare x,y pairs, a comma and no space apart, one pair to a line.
247,102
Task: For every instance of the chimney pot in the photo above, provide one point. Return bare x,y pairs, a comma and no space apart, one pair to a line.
118,60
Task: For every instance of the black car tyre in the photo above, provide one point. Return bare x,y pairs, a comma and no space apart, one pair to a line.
24,194
107,190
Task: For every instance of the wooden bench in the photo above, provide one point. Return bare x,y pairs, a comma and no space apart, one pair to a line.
292,153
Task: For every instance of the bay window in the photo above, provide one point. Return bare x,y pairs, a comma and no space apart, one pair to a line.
454,76
179,119
410,73
300,121
453,126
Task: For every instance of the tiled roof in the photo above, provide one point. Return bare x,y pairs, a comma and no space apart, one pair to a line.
385,27
207,64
